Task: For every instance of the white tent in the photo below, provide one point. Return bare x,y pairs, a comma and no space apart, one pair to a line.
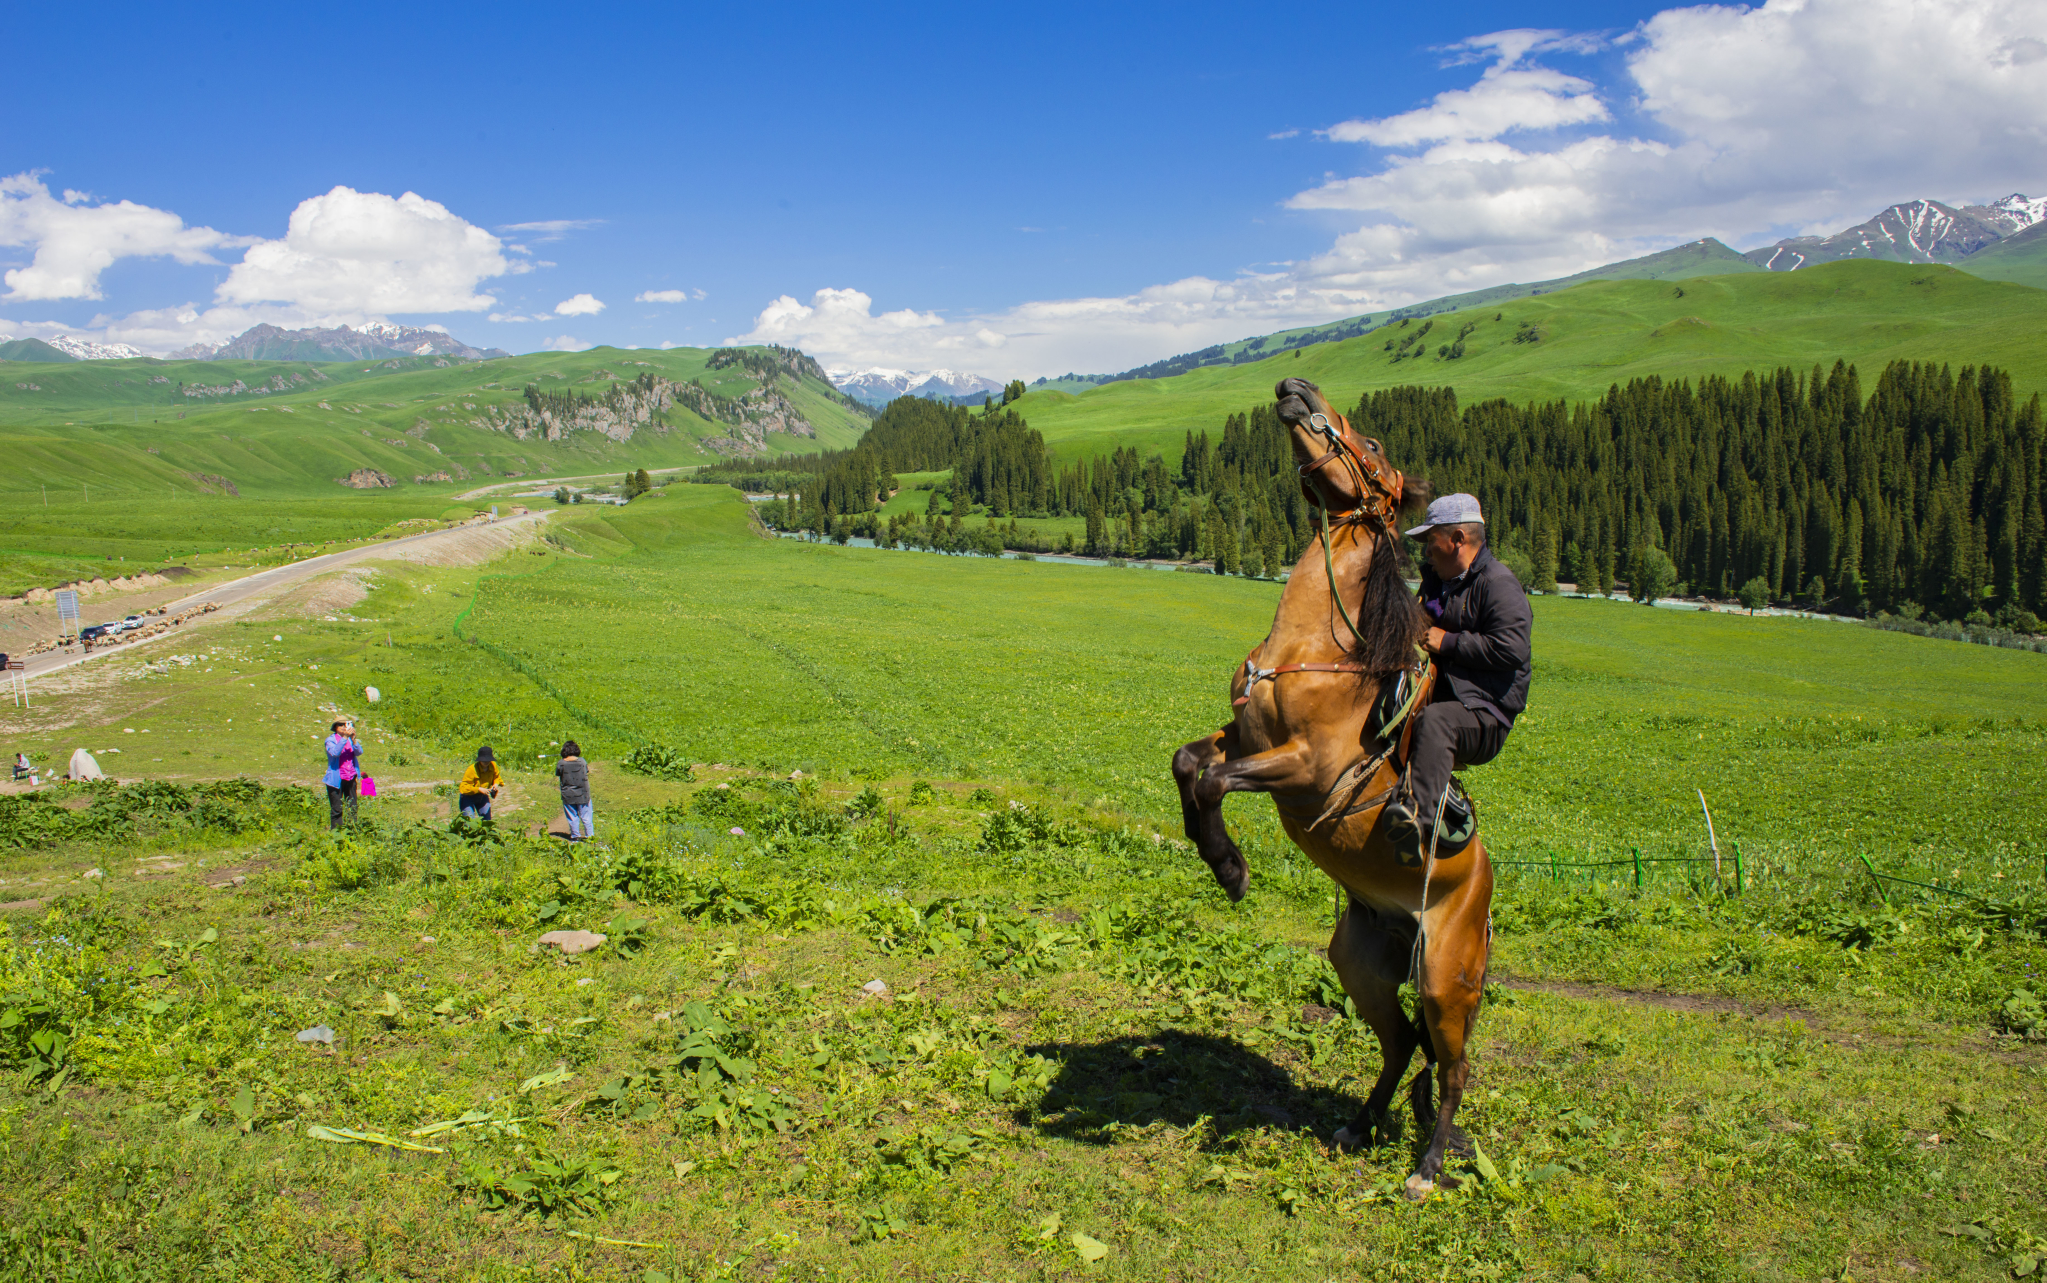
83,767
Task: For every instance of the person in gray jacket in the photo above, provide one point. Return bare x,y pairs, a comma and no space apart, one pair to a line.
1479,626
574,774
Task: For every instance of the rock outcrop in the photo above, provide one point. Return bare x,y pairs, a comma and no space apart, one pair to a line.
367,479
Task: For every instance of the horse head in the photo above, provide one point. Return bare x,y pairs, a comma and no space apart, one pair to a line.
1341,471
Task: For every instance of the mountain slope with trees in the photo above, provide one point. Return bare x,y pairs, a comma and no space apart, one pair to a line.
1574,344
1926,493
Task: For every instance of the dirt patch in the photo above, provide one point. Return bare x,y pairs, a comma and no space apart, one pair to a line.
471,546
16,906
1837,1033
1696,1002
336,593
250,869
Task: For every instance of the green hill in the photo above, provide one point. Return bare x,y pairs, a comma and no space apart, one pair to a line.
1574,343
1706,257
34,350
2021,259
293,428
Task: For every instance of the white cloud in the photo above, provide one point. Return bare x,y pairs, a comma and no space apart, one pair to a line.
1504,99
565,343
1741,123
580,305
74,241
1800,115
1094,335
551,229
661,296
367,254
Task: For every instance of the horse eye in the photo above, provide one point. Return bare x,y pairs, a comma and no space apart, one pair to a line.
1372,444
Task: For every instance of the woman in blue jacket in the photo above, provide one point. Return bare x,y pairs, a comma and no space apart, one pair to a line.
344,755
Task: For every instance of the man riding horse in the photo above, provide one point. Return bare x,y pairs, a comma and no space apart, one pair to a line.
1479,623
1324,720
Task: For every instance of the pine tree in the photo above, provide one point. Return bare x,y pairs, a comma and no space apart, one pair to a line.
1545,555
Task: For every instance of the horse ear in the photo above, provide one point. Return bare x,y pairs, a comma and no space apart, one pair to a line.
1298,399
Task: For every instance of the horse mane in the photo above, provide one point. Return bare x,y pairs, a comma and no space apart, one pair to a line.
1390,620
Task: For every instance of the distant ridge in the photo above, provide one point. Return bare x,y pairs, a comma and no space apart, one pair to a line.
878,386
31,350
65,347
1919,231
376,341
1707,257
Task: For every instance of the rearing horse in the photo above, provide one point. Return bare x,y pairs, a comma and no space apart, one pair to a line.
1323,706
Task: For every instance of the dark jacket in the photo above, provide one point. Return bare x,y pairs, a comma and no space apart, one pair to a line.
1486,618
574,774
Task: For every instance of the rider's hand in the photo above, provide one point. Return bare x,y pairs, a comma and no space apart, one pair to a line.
1434,642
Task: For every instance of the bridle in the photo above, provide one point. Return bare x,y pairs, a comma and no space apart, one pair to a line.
1378,501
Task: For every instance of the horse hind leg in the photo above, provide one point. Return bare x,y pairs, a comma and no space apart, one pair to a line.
1370,957
1452,986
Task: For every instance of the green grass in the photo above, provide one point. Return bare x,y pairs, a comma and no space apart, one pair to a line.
2021,259
1671,1083
1601,333
1706,257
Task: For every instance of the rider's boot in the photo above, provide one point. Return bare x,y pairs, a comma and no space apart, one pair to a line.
1411,833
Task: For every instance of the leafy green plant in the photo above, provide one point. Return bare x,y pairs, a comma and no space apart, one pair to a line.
710,1069
626,934
660,761
1851,928
2023,1015
542,1187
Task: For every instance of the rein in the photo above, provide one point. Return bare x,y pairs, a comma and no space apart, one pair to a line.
1376,504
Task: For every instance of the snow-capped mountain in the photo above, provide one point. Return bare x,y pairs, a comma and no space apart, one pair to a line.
878,385
87,350
374,341
2021,211
1920,231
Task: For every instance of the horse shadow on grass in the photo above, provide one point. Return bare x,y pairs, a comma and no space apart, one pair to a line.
1185,1080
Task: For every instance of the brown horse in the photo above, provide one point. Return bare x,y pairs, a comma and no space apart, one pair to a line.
1322,707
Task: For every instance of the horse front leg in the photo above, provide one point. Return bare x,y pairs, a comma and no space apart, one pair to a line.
1206,773
1204,823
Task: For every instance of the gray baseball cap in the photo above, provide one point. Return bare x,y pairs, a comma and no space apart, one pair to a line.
1450,510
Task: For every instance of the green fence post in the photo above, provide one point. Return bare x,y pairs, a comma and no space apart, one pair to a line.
1739,884
1875,877
1553,874
1636,851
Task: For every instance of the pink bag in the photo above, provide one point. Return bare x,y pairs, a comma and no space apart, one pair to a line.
368,787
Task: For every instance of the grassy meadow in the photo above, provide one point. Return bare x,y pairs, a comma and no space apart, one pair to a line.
1575,343
124,428
948,774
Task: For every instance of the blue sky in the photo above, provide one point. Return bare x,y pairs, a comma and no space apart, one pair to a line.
1007,191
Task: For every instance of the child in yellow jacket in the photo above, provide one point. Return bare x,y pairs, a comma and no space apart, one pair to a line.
480,784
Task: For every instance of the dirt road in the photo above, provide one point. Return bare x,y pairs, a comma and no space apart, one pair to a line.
267,582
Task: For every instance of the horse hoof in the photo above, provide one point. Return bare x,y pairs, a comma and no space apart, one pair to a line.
1346,1139
1419,1187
